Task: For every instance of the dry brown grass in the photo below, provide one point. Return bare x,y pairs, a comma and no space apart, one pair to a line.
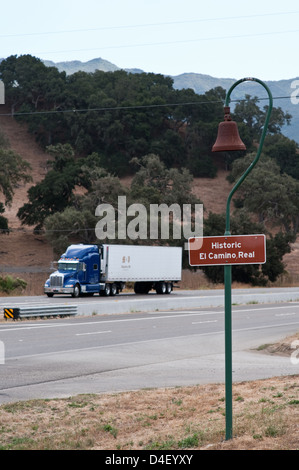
265,415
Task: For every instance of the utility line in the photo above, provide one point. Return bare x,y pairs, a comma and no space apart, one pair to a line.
147,25
169,43
125,108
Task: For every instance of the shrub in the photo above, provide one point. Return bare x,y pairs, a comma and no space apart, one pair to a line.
9,284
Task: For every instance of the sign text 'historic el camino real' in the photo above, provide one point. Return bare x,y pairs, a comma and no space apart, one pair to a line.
227,249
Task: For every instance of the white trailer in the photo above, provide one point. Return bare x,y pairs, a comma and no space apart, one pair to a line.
148,267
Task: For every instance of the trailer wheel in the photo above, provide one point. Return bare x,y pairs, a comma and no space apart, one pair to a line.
168,288
76,291
137,288
161,288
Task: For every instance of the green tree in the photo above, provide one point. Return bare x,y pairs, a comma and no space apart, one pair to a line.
155,183
3,220
56,191
29,82
273,196
13,170
77,223
200,131
285,153
70,226
249,112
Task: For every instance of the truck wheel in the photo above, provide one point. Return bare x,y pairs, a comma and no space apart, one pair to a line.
107,290
137,288
76,291
168,288
161,288
50,295
113,290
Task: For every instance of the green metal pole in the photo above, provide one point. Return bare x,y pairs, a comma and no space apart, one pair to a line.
228,354
228,270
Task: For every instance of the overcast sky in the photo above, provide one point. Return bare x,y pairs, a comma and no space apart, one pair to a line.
232,39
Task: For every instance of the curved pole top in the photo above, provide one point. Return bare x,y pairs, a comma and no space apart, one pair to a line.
250,168
248,79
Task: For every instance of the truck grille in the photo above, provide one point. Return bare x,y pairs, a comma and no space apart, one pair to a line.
56,281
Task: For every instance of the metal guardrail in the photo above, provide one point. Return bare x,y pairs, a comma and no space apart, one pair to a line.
42,311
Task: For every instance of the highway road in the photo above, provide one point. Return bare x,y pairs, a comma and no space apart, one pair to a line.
171,347
129,303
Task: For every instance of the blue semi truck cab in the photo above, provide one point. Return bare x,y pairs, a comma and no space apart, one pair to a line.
79,271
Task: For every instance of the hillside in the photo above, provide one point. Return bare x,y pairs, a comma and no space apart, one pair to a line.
21,251
29,256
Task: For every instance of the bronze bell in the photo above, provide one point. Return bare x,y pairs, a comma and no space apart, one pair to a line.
228,138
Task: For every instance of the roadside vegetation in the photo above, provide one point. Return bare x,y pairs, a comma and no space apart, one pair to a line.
11,285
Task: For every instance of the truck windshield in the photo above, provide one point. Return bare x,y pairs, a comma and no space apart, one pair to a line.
68,266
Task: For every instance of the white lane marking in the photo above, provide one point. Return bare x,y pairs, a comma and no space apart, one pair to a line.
93,333
285,314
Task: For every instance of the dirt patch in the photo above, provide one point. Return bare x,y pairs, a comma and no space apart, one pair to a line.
21,247
213,192
287,347
25,145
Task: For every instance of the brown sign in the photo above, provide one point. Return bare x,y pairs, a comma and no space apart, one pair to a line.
227,249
